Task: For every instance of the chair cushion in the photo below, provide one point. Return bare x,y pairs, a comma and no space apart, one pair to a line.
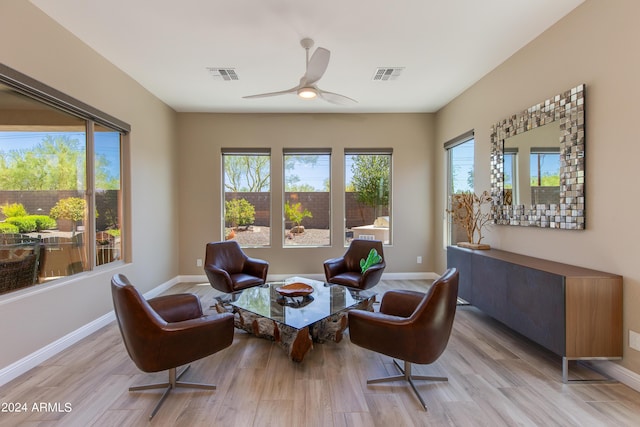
243,281
348,278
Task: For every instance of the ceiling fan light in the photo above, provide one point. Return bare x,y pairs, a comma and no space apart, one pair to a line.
307,93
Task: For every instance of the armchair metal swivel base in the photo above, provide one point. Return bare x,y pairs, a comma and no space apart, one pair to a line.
173,382
407,376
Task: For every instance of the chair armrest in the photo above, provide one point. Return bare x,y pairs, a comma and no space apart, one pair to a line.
376,319
400,302
209,322
373,274
374,268
334,266
256,267
218,276
189,340
177,307
380,332
395,336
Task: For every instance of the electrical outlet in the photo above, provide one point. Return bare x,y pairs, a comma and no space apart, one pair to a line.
199,262
634,340
419,260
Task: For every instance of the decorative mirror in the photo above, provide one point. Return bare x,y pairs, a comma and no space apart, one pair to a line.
538,163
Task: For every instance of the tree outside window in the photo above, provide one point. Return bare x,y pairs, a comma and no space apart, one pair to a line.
307,198
247,196
367,196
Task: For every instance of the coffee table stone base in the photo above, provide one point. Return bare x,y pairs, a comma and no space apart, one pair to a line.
296,342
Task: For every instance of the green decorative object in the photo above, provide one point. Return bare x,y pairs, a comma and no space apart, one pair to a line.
372,259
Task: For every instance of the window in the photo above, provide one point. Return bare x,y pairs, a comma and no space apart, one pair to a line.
307,197
511,187
368,195
460,166
545,175
60,184
108,194
247,196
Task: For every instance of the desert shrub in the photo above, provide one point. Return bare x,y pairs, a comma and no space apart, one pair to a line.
239,212
71,208
7,228
44,222
25,224
14,209
295,213
115,232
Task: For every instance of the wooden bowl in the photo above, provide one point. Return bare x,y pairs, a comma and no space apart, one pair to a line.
296,289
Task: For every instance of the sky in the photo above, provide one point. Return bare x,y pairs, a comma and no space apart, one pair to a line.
314,174
317,174
462,161
107,144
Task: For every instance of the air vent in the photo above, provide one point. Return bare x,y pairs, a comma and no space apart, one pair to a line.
226,74
386,73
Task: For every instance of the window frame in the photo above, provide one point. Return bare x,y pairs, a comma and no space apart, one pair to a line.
448,226
389,206
513,156
305,152
42,93
241,151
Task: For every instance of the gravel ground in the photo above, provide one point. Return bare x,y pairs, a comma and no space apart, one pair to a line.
260,236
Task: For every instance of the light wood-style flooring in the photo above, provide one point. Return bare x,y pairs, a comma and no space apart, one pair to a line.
496,378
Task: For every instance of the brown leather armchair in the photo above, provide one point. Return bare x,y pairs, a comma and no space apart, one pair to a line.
410,326
167,332
229,269
346,271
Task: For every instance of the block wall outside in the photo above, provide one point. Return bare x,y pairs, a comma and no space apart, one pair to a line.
318,203
41,202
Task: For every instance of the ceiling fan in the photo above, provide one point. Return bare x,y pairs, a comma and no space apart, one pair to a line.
315,68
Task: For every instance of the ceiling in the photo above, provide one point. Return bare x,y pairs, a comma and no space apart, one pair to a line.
443,47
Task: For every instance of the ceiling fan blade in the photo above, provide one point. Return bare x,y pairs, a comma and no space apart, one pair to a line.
281,92
316,67
336,98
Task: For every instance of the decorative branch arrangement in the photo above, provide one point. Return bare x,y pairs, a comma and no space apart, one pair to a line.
466,211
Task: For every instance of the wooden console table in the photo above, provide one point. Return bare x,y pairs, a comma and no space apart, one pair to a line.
575,312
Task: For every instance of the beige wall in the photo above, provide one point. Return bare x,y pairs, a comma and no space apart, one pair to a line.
410,135
35,45
597,45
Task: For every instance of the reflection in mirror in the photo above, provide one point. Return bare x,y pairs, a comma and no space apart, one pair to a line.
537,164
532,167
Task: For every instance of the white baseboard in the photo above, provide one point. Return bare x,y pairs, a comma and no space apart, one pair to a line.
29,362
275,277
617,372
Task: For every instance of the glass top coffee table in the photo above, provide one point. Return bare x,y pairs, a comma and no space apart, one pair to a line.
296,322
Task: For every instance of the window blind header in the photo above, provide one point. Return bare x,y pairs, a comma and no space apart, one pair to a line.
43,93
293,151
368,151
459,139
241,151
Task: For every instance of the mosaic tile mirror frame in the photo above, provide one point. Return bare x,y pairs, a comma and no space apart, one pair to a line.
568,212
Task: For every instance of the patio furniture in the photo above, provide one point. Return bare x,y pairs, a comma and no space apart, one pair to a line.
62,256
19,261
19,273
